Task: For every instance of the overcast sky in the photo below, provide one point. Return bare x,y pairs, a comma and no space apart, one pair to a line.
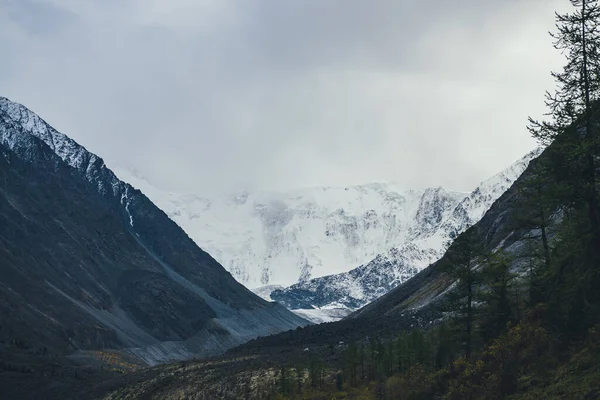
218,94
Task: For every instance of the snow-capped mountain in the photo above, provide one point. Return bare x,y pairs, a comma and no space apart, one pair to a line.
436,223
269,238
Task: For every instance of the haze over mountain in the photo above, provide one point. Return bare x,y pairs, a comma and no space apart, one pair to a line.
214,92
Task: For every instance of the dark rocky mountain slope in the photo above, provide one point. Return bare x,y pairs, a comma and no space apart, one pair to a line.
87,262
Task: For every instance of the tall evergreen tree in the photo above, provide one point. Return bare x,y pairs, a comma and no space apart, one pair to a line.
538,199
351,361
285,380
444,349
299,379
316,372
459,263
498,282
573,108
578,84
402,348
573,128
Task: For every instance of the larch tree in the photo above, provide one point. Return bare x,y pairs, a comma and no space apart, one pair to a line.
460,264
573,108
573,129
496,296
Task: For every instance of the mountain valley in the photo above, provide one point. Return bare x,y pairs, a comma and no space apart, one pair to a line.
328,251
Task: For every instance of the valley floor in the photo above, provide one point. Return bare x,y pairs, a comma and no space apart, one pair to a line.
521,365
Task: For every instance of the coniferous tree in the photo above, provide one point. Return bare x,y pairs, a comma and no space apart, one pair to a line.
299,379
389,358
573,128
248,387
361,356
316,372
573,109
459,264
417,347
402,352
380,361
339,382
352,360
444,351
430,349
538,200
498,283
285,380
372,359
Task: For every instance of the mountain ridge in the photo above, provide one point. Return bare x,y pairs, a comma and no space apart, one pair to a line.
121,271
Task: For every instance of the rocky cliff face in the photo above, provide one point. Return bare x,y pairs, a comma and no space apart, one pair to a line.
88,262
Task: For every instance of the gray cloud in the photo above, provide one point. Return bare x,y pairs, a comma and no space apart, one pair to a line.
213,94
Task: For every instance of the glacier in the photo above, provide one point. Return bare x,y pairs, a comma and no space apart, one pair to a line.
359,241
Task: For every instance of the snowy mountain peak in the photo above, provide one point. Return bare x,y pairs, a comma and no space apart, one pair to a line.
434,207
66,148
